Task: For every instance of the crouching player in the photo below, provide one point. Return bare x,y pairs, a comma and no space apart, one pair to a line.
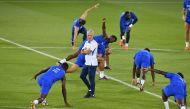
49,76
143,59
176,88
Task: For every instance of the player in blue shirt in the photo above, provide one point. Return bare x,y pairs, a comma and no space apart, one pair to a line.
176,88
48,77
127,20
186,18
143,59
103,40
78,26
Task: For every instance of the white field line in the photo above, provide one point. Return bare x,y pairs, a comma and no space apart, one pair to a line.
84,1
112,78
49,47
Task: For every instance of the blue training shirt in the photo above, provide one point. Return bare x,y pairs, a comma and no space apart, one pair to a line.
54,74
101,40
126,23
186,5
176,80
145,53
76,23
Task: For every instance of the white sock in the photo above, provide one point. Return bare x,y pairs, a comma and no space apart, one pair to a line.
126,44
35,102
187,44
166,105
182,107
138,80
142,81
101,74
105,64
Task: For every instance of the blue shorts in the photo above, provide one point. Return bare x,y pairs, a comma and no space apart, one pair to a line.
142,61
174,90
44,85
80,60
101,50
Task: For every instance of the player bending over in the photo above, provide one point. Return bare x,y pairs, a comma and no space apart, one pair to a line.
78,26
176,88
48,77
127,20
143,59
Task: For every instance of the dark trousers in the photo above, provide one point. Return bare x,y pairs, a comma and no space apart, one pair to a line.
90,71
122,31
82,31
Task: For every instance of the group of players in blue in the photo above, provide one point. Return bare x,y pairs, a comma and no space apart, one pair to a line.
143,62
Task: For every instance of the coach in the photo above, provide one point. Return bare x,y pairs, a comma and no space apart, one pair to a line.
90,52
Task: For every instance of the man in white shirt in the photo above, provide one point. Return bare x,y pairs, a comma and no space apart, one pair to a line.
90,52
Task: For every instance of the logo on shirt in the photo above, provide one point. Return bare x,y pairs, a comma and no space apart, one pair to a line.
56,70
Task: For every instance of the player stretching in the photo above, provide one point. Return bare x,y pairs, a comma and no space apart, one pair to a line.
78,26
49,76
103,41
127,20
176,88
143,59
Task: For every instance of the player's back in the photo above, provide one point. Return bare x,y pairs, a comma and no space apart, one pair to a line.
54,74
142,53
99,39
76,23
175,79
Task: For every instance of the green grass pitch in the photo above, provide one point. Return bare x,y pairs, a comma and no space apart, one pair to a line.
47,23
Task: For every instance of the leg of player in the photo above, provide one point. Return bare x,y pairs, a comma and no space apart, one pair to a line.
138,74
143,79
180,103
127,39
101,69
165,100
108,52
84,32
187,27
38,101
73,68
122,31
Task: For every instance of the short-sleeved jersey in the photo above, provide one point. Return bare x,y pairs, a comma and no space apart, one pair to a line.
101,40
176,80
76,23
54,74
124,22
143,53
186,6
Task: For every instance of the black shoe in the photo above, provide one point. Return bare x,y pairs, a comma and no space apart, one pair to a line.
88,94
107,67
104,78
92,96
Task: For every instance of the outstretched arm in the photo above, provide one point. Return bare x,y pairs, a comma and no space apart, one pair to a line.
75,36
158,71
84,15
64,91
104,33
153,75
40,72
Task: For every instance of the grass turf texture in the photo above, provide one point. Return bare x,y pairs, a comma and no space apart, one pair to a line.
48,23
